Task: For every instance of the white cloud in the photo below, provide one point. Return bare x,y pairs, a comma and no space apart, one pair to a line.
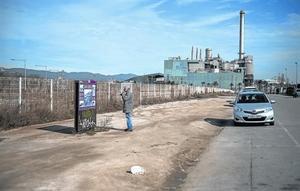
223,6
185,2
235,1
157,4
215,19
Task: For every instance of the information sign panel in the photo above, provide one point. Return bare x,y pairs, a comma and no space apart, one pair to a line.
85,105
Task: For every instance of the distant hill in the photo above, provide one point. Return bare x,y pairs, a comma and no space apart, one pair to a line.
66,75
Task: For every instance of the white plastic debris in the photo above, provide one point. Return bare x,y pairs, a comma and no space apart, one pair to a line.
137,170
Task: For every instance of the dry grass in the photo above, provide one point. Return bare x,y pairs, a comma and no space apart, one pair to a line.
11,117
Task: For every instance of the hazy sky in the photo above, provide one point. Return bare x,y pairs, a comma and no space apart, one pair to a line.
135,36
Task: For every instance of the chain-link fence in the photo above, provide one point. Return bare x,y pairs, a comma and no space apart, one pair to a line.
49,99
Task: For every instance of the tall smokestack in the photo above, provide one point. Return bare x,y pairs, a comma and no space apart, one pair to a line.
242,23
200,55
196,53
208,54
192,53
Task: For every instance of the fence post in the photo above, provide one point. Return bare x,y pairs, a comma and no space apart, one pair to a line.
108,93
159,90
51,95
20,94
140,93
148,90
154,90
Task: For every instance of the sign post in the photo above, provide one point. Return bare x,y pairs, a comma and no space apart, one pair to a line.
85,105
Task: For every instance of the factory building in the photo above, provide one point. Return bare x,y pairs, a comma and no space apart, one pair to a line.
211,70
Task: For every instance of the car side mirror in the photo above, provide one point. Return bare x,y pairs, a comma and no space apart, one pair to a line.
273,101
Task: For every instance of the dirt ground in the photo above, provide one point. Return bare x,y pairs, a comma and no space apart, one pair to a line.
167,138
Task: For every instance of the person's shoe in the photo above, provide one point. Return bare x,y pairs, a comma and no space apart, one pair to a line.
128,130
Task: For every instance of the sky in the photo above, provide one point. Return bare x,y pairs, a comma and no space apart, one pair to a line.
136,36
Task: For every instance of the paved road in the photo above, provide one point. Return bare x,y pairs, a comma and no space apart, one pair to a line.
253,157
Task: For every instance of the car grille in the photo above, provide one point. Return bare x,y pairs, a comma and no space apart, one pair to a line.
254,119
254,112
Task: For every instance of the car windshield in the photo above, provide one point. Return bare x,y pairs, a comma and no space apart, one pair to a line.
252,98
249,90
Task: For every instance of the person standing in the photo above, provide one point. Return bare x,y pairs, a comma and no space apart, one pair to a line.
127,107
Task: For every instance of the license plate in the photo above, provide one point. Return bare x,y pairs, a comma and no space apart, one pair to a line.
254,116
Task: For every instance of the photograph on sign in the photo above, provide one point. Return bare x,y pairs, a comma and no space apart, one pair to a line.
87,96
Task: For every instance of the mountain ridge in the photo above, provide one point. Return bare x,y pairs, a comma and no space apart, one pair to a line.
66,75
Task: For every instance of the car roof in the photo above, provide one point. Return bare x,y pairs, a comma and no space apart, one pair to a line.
248,90
251,92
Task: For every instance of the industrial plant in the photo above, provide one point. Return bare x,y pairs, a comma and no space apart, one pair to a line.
212,70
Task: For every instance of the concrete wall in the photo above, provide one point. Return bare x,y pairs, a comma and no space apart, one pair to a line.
58,95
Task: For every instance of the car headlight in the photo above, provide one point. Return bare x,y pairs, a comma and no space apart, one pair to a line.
238,109
269,109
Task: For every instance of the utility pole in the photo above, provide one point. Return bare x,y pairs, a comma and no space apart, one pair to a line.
296,73
286,78
24,61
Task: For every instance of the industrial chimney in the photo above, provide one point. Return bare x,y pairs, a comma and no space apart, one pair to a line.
196,53
192,53
242,23
208,54
200,55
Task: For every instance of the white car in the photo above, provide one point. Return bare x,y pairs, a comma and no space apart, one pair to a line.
253,107
298,92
